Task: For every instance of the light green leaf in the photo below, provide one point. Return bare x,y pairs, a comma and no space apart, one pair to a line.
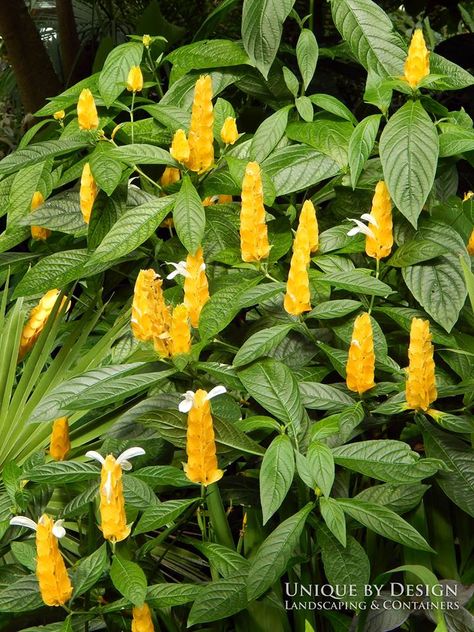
276,475
129,579
416,251
137,493
220,599
215,53
321,465
163,514
327,134
114,74
89,570
39,152
334,309
305,108
361,144
21,595
330,104
454,76
189,216
158,475
106,169
143,154
356,281
324,397
409,154
291,81
333,516
62,472
399,498
61,212
261,343
307,52
268,135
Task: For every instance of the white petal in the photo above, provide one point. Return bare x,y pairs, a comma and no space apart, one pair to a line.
353,231
131,453
202,267
171,275
126,466
92,454
363,228
369,218
217,390
180,268
58,530
108,487
187,403
23,521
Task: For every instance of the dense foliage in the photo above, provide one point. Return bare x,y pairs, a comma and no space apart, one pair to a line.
177,290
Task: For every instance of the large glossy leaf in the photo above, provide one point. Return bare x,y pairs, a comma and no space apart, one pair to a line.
163,514
21,595
409,154
261,343
61,212
143,154
220,599
361,144
333,516
356,281
215,53
39,152
324,397
276,475
399,498
62,472
268,135
307,55
189,216
116,68
328,134
129,579
89,570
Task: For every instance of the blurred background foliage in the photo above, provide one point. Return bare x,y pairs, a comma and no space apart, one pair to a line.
48,45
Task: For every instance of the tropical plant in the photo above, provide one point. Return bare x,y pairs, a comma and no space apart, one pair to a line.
291,372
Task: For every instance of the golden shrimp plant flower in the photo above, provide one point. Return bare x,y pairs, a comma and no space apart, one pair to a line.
38,232
297,296
170,176
229,131
201,132
59,115
360,367
87,192
254,244
141,619
112,503
36,322
54,582
180,331
379,228
87,111
201,467
217,199
143,305
135,79
308,223
196,287
421,389
180,146
417,63
60,443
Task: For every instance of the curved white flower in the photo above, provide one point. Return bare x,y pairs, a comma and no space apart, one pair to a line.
188,401
179,268
122,459
361,227
22,521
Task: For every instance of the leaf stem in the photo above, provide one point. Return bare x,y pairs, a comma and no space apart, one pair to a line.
218,516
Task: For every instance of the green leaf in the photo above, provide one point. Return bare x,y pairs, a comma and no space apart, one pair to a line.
273,386
416,251
215,53
297,167
330,104
409,154
25,553
261,343
137,493
129,579
273,555
327,133
356,281
106,169
399,498
386,460
324,397
458,484
291,81
143,154
157,475
113,76
334,517
370,35
455,140
25,183
189,216
169,595
305,108
39,152
262,26
61,212
132,229
384,522
220,599
170,116
226,561
163,514
321,466
276,475
361,144
268,135
307,52
89,570
62,473
454,77
334,309
22,595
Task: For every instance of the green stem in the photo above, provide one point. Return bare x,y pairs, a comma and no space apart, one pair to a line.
155,74
131,116
218,516
311,15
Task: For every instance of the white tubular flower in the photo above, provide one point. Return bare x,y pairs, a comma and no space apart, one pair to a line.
361,227
58,530
188,401
22,521
131,453
92,454
180,268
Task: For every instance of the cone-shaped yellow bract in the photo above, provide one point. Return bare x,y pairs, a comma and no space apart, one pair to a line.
308,224
201,135
253,228
54,583
87,192
113,521
170,176
196,288
142,621
36,322
86,111
161,322
135,79
59,115
360,367
180,146
60,444
143,305
229,131
38,232
180,332
381,226
417,63
200,443
421,382
470,243
217,199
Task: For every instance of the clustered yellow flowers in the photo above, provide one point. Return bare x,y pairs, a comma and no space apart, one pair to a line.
36,322
113,520
87,192
229,131
360,367
254,244
196,287
417,63
54,583
38,232
180,147
87,116
421,381
379,244
135,79
201,466
60,444
201,135
142,621
297,296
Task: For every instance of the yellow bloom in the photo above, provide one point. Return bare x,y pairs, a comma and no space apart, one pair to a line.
180,332
217,199
297,297
468,196
379,243
143,311
38,232
417,63
180,146
196,288
201,136
87,193
86,111
229,131
146,40
421,382
360,367
470,243
59,115
36,322
200,441
135,79
142,621
170,176
161,322
60,444
253,228
113,520
309,224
